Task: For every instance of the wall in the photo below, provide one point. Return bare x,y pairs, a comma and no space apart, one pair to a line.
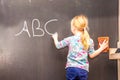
27,51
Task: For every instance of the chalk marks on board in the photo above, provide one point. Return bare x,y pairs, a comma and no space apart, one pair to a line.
45,26
30,1
2,2
36,28
24,29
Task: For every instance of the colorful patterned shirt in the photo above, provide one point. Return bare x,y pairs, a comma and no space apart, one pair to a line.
77,56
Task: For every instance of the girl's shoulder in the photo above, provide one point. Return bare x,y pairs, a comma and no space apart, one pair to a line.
70,38
91,41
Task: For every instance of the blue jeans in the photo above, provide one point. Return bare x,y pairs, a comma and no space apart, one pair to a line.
73,73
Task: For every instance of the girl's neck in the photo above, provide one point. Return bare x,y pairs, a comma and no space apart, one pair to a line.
78,33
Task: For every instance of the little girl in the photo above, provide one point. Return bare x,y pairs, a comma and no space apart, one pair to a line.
80,47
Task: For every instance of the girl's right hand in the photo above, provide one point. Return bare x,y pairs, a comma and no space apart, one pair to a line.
55,35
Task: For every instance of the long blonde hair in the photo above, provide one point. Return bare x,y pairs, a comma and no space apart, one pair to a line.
80,22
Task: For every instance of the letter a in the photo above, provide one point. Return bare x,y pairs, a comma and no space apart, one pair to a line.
25,28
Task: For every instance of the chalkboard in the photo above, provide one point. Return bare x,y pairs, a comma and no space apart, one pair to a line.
27,51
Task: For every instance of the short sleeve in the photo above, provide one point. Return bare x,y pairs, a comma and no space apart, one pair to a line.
63,43
91,48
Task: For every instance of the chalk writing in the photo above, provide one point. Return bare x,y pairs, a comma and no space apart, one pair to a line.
25,28
45,27
36,28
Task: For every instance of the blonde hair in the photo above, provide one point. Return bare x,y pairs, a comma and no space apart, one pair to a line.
80,22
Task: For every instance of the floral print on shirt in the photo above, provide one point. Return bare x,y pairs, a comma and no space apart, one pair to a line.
77,56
